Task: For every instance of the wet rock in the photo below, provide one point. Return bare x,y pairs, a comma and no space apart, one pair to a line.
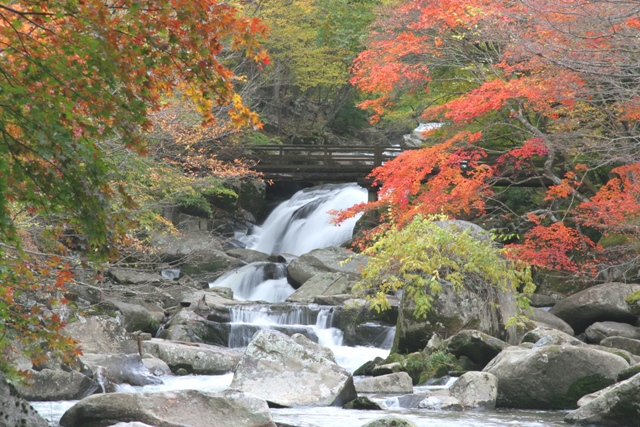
288,373
596,304
552,377
199,359
601,330
14,410
121,368
616,406
324,284
327,260
476,390
363,403
50,384
248,255
156,367
102,334
185,408
367,367
440,403
477,346
390,421
399,382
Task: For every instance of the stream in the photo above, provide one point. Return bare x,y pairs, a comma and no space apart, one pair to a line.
295,227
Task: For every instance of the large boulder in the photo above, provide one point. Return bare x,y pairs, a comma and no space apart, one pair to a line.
290,372
596,304
552,377
127,276
188,326
197,252
136,317
324,284
478,306
399,382
477,346
54,384
201,359
544,318
14,410
542,336
476,390
327,260
601,330
617,406
185,408
102,334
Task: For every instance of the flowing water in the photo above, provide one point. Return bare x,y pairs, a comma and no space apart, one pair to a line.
297,226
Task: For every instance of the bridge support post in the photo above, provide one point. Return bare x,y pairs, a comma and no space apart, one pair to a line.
372,190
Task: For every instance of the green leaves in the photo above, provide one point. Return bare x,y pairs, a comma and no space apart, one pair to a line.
430,250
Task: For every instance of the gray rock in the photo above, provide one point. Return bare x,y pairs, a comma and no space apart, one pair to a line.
542,336
131,424
156,367
616,406
248,255
540,300
304,341
287,373
188,326
172,247
199,359
386,369
121,368
477,346
601,330
14,410
390,421
440,403
50,384
548,319
136,317
207,261
627,373
399,382
476,390
326,260
363,403
101,334
478,306
134,277
324,284
596,304
623,343
552,377
184,408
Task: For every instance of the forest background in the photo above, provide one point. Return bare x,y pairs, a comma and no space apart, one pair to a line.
110,111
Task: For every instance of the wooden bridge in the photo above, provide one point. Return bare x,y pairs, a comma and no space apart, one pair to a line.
353,163
326,163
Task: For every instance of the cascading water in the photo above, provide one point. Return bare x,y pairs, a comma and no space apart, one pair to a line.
303,223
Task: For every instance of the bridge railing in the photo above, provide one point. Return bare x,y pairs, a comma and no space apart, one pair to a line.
309,156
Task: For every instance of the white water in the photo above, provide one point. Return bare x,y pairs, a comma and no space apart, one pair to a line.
296,227
303,223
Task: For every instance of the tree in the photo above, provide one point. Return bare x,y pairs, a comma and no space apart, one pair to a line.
74,75
536,92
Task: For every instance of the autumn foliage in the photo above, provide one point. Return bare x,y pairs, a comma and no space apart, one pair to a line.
78,80
535,94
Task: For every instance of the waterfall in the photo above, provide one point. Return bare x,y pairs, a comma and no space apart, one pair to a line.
296,226
302,223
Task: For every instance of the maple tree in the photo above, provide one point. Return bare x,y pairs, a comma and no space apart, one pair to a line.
77,78
537,93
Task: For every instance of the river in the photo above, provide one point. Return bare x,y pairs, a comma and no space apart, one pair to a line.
295,227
